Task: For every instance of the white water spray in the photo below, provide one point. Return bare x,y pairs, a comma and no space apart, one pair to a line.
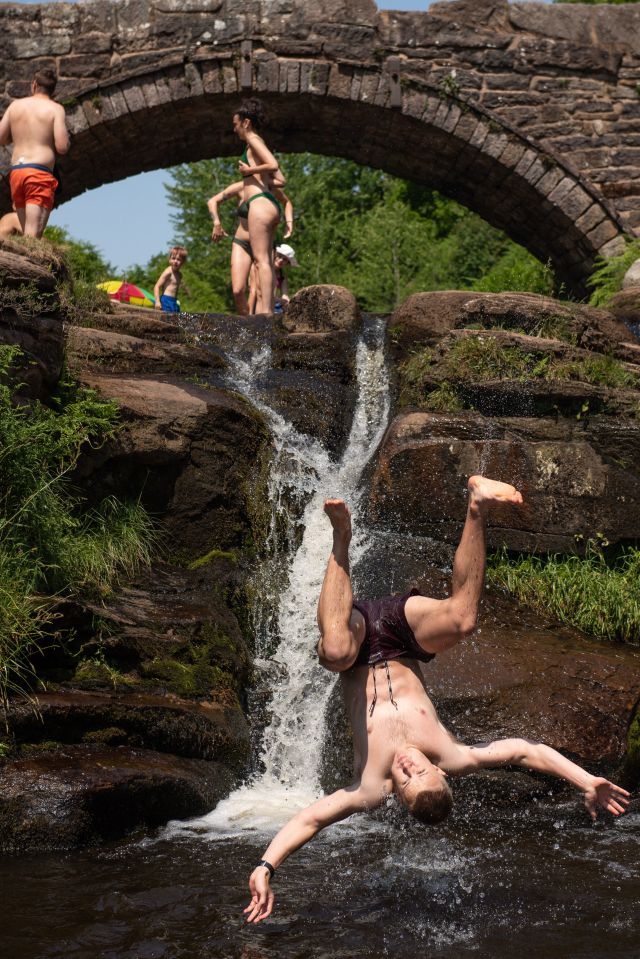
302,471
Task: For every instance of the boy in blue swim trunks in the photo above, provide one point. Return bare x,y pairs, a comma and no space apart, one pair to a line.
166,289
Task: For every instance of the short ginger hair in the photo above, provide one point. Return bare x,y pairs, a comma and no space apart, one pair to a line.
431,806
179,251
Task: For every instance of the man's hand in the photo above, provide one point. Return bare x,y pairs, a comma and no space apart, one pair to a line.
261,895
600,792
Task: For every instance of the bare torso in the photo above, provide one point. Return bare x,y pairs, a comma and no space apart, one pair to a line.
32,130
377,737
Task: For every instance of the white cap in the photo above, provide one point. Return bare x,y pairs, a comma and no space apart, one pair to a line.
285,250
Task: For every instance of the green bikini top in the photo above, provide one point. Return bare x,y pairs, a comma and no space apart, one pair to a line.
244,158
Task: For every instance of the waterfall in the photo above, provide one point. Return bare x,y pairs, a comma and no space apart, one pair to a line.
302,474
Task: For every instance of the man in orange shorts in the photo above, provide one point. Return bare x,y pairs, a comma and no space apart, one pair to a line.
37,129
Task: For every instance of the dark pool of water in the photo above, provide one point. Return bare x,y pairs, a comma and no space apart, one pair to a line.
490,884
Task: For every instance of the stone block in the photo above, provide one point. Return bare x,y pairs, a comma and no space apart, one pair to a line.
212,78
268,76
368,87
84,65
480,135
229,79
133,96
99,16
293,77
575,202
76,120
35,44
529,157
550,180
340,81
603,233
590,218
512,154
495,144
93,43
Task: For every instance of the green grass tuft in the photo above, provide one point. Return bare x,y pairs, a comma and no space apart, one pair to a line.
598,597
51,542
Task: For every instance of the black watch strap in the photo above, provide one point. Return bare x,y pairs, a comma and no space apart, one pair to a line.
267,865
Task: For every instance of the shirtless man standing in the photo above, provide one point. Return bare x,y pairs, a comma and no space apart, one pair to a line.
37,129
400,745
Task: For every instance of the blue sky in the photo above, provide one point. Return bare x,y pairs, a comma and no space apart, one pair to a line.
97,215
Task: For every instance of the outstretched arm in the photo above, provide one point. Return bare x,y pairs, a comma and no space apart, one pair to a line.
597,791
299,830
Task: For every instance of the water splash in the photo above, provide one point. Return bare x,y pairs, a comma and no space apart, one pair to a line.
304,475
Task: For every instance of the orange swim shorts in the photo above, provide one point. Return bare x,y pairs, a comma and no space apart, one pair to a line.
32,185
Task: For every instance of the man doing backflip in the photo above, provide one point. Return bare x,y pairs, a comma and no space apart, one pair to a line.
400,746
37,129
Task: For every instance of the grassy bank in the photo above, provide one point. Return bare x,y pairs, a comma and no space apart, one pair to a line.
53,544
600,597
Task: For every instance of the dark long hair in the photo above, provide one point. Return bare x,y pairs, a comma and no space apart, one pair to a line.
253,109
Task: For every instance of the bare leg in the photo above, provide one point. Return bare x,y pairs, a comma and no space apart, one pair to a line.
240,267
340,629
438,624
263,219
35,220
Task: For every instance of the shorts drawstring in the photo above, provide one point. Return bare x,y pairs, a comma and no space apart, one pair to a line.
375,688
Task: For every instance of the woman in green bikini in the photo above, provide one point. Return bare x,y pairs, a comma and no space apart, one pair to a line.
241,251
258,168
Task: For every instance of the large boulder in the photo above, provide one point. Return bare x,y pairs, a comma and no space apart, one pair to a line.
189,452
313,376
322,308
577,478
113,352
424,318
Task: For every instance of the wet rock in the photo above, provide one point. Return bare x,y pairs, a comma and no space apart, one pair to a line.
204,729
322,309
190,453
138,321
312,382
31,318
576,478
79,796
107,351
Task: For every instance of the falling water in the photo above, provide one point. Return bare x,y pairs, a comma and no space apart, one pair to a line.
302,476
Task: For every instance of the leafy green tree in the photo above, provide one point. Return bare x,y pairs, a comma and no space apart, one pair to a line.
86,261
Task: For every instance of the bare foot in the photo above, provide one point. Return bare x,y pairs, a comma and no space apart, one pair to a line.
339,515
487,492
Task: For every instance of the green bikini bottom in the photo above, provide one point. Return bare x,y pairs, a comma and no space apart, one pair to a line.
243,209
246,246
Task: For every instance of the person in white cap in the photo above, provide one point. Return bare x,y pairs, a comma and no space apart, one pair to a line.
285,256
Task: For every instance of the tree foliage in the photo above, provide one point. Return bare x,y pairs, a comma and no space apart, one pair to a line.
382,237
85,260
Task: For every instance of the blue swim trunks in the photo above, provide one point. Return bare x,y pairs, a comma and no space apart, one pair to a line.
169,304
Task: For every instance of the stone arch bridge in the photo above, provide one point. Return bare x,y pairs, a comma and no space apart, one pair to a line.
527,113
